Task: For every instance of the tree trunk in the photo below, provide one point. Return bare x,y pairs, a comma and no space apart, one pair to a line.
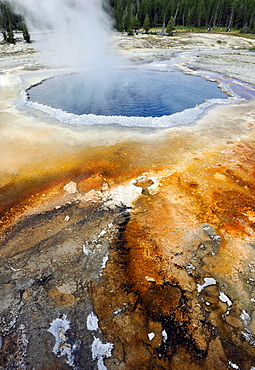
164,26
231,17
176,12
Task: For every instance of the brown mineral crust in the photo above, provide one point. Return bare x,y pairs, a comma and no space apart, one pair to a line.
13,349
144,182
233,320
175,238
55,365
94,182
60,298
9,347
173,293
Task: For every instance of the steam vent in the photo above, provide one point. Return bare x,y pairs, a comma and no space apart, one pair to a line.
129,247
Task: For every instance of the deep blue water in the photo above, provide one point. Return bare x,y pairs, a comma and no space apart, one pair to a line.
136,92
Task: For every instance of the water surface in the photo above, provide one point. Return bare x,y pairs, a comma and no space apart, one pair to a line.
136,92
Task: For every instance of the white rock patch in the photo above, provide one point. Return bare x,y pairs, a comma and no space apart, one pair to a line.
101,351
207,282
58,328
92,322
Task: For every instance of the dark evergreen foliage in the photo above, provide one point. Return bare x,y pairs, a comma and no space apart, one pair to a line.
8,18
131,14
135,23
170,26
9,21
146,24
26,34
186,13
10,35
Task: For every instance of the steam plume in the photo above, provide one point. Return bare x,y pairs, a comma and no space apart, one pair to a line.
75,32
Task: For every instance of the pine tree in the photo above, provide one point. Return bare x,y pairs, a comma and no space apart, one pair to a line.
170,26
26,34
135,24
146,24
10,35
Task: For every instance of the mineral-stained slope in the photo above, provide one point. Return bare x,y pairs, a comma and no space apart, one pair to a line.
166,283
187,270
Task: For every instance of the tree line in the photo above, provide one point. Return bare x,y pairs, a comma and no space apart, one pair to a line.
131,14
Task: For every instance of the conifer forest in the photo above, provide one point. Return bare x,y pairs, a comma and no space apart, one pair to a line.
187,13
134,14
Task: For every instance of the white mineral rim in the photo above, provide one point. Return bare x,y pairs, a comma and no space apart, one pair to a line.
185,117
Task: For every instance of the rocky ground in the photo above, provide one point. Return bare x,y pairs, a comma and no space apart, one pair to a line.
223,53
132,249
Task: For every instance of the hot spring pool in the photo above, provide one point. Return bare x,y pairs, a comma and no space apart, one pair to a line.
140,94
